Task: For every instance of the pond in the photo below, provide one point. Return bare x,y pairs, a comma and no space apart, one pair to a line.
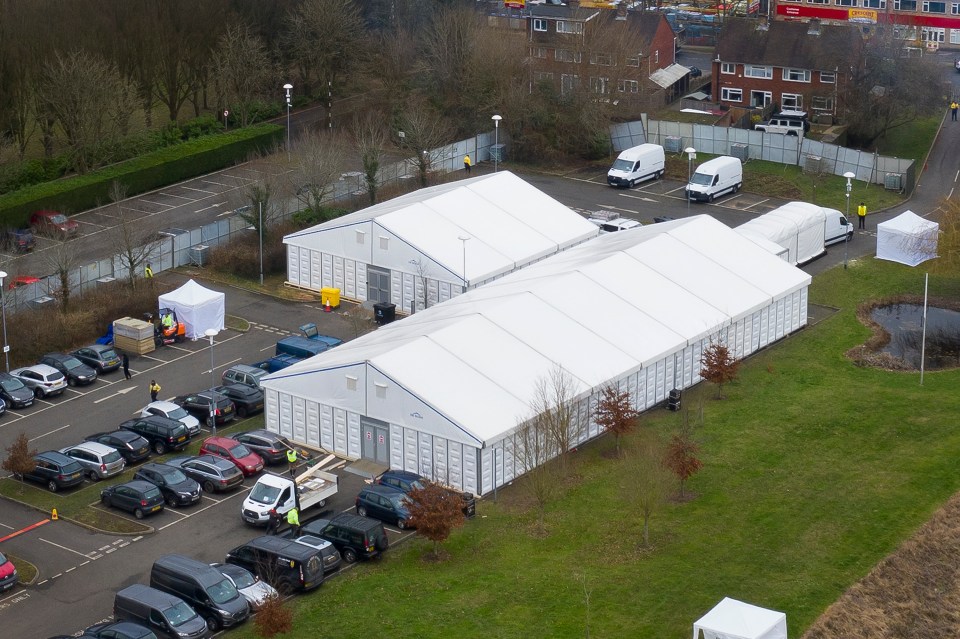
904,323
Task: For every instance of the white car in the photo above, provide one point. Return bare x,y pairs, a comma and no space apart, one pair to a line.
172,411
256,592
43,380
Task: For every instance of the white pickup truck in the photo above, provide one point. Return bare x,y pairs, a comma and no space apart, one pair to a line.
276,492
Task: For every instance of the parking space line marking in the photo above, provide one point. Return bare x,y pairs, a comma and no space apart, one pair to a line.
43,582
59,574
49,433
69,570
182,350
190,188
169,206
5,525
137,538
76,552
42,401
182,197
111,550
85,563
94,557
153,358
27,529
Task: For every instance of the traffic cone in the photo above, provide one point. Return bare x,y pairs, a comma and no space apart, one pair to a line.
326,306
53,515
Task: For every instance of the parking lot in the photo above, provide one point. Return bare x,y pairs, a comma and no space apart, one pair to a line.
80,569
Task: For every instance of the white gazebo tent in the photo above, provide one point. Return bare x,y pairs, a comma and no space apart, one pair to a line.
732,619
197,307
908,239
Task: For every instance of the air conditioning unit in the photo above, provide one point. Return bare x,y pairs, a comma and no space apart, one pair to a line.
893,181
106,280
199,254
813,164
740,151
673,144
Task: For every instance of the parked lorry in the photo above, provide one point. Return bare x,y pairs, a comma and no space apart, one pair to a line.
802,229
636,164
310,489
714,178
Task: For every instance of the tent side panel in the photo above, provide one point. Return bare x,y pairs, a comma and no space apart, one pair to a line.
285,426
293,261
396,446
353,435
316,270
441,469
455,459
410,450
299,419
326,270
271,411
340,430
312,427
425,455
471,479
326,428
408,295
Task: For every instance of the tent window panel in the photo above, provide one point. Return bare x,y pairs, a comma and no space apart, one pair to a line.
361,237
384,243
351,382
381,390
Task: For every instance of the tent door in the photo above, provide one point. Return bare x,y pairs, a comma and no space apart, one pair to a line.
378,284
376,441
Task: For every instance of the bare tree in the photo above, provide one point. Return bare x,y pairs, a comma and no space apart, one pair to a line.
424,132
435,512
323,38
370,137
275,617
318,162
718,365
553,401
646,480
948,246
615,413
62,258
19,459
244,71
263,202
131,235
361,318
421,292
456,34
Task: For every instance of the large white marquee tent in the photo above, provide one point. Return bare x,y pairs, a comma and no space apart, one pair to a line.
442,392
444,238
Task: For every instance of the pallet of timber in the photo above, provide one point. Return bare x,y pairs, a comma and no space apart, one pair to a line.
133,328
138,346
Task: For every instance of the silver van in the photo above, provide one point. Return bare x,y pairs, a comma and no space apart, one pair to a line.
98,461
165,614
205,588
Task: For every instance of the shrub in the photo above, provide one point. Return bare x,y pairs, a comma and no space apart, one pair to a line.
274,618
241,256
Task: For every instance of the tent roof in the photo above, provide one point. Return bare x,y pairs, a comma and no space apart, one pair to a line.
908,239
190,293
508,222
908,222
733,619
599,311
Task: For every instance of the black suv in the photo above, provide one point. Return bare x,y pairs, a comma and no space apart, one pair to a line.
214,474
407,481
248,400
163,433
131,446
177,488
284,564
56,470
14,392
354,536
76,372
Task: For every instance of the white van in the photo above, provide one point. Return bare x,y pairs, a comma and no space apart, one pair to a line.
836,227
637,164
714,178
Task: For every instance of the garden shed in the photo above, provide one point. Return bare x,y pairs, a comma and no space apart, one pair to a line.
444,392
430,245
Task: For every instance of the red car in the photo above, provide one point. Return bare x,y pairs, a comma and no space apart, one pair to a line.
53,223
245,459
22,280
8,574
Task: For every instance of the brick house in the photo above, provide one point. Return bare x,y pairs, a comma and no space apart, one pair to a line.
792,65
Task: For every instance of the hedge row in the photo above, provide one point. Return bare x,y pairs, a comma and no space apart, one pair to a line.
153,170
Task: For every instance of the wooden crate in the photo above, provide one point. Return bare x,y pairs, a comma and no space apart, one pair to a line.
134,329
138,346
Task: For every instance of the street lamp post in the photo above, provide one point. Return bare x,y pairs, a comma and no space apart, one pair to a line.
288,88
496,141
3,310
846,237
464,238
260,228
211,333
691,156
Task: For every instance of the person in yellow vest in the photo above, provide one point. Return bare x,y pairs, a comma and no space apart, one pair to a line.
154,390
466,164
292,459
953,110
148,272
293,520
862,215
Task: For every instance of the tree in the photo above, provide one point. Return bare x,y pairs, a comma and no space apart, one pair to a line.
62,259
244,72
273,618
360,317
19,459
318,162
370,137
455,36
948,246
130,235
645,478
553,400
436,512
718,365
262,202
615,413
681,456
324,38
423,132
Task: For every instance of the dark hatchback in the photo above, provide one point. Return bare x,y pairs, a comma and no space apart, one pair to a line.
56,470
198,405
407,481
246,399
138,497
14,392
164,434
214,474
177,488
99,356
119,630
76,372
269,445
386,504
132,447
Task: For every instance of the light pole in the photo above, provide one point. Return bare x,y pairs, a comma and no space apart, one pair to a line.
211,333
691,156
3,309
496,141
260,228
288,88
846,236
464,238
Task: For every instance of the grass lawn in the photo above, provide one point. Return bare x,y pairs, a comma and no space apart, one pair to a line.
815,470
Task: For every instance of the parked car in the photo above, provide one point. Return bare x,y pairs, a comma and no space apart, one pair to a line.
14,392
253,589
99,461
55,470
176,487
54,224
3,407
695,72
19,281
43,380
203,587
138,497
270,446
198,405
102,357
329,553
131,446
243,374
19,240
214,474
171,616
354,536
164,434
384,503
287,565
8,573
119,630
407,481
245,459
246,399
173,411
76,372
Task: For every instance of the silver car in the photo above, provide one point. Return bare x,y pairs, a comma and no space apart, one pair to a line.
256,592
173,411
43,380
98,461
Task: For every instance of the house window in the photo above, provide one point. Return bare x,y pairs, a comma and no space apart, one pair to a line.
760,98
932,34
934,7
544,76
954,36
828,77
791,101
539,24
819,1
603,59
731,95
754,71
351,382
569,27
566,55
904,5
599,85
846,3
540,52
633,61
728,67
954,10
874,4
796,75
822,103
628,86
903,32
568,82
